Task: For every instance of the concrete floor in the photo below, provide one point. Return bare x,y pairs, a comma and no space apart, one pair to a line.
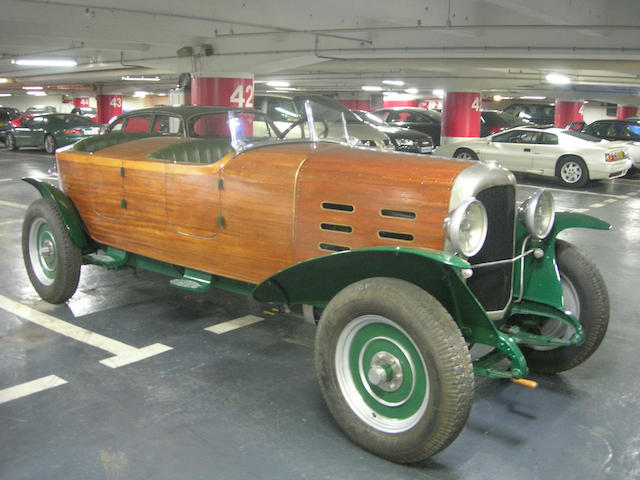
246,405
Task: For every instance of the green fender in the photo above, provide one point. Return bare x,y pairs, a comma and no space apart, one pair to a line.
537,285
67,210
318,280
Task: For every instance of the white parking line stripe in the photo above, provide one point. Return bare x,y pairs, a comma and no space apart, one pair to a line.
123,354
596,205
234,324
535,187
10,221
29,388
14,205
6,179
610,200
579,210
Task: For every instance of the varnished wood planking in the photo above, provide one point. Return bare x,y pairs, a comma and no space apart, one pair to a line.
172,209
391,182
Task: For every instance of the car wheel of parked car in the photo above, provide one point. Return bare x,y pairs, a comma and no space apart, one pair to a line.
572,171
465,154
394,369
49,144
52,260
585,296
11,142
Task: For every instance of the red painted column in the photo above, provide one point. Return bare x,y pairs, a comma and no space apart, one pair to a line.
109,106
623,112
568,112
460,116
357,104
81,102
228,92
399,103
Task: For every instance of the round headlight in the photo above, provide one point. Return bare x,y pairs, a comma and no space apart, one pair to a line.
466,227
538,214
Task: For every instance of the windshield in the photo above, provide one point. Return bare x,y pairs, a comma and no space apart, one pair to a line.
371,118
247,128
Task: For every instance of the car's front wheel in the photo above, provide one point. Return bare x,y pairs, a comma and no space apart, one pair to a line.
10,142
465,154
50,144
572,171
394,369
584,296
52,260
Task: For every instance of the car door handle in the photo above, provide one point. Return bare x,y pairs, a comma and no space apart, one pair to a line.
527,149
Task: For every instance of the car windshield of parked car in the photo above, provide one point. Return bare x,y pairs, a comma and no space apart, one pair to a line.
582,136
327,109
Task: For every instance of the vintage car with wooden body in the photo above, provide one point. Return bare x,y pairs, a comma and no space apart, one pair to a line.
411,260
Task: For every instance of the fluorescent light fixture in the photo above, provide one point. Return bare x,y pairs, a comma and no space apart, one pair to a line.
397,83
161,94
497,98
558,78
45,62
37,93
140,93
411,90
532,97
141,79
438,92
285,89
35,87
5,94
4,80
278,83
371,88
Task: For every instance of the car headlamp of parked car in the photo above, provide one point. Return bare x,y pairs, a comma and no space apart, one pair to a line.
538,214
466,227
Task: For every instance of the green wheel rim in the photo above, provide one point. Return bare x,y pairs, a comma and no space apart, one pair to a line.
42,252
398,399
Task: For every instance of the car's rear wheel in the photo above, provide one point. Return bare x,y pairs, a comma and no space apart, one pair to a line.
394,369
49,144
52,260
572,171
584,296
465,154
10,142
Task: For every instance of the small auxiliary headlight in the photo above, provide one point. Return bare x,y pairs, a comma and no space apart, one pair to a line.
538,214
466,227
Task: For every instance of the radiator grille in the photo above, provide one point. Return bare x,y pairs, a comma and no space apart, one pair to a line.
492,285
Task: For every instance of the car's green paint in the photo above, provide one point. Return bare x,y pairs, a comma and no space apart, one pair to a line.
538,285
70,215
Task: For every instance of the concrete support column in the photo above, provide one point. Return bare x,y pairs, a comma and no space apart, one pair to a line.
109,106
460,116
568,111
228,92
623,112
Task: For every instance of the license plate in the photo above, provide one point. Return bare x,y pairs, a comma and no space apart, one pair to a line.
426,149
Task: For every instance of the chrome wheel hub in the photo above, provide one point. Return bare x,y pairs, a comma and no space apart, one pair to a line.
385,372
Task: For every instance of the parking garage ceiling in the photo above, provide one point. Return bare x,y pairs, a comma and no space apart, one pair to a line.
502,47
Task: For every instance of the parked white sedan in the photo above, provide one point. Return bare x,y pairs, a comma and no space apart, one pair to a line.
572,157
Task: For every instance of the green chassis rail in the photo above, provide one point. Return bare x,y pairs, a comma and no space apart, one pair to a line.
318,280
